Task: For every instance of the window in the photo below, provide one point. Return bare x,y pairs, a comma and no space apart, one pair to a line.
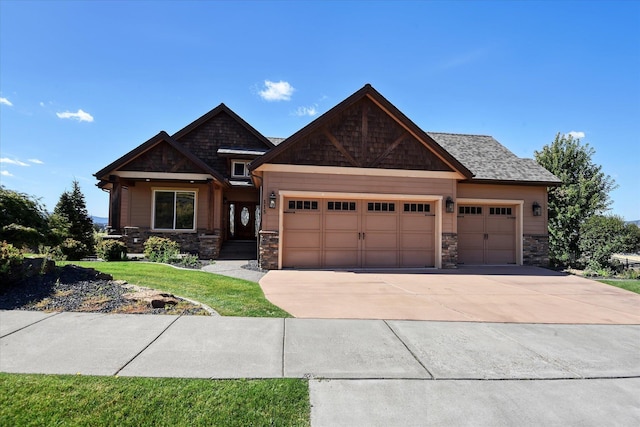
174,210
341,206
417,207
381,207
470,210
307,205
499,211
239,169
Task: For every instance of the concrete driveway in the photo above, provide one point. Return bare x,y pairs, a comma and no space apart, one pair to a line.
474,294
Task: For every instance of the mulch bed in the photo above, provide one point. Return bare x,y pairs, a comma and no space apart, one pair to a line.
73,288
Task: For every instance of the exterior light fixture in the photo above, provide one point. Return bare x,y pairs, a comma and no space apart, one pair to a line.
537,209
449,205
272,200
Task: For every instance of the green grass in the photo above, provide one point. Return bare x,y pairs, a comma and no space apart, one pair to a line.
61,400
227,295
628,284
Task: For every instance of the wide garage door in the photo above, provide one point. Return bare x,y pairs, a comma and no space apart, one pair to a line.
330,233
486,234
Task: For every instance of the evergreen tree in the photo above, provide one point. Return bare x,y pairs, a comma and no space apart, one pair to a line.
584,192
72,223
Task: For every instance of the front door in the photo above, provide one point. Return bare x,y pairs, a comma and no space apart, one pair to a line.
242,220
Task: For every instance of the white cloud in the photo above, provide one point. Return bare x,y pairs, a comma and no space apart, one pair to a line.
576,135
307,111
5,101
81,116
36,161
13,162
6,173
276,91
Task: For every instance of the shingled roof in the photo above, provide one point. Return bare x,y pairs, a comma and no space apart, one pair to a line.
491,161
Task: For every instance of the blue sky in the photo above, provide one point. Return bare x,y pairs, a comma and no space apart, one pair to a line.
82,83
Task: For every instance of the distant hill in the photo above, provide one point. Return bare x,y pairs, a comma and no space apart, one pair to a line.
636,222
100,220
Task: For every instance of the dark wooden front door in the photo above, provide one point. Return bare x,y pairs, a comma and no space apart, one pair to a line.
243,217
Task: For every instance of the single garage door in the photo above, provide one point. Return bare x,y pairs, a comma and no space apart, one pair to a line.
330,233
486,234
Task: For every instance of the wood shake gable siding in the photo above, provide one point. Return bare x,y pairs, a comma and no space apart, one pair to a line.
221,130
162,158
363,136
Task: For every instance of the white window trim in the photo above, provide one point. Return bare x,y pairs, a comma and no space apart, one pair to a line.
246,168
174,190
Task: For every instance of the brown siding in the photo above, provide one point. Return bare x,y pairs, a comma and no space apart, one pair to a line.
162,158
141,196
362,135
220,131
276,181
531,224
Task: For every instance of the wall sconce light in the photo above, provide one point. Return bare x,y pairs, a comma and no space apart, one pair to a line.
537,209
449,205
272,200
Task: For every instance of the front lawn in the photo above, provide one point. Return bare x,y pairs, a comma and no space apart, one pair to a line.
41,400
227,295
628,284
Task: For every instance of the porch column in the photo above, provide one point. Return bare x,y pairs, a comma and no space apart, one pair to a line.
115,201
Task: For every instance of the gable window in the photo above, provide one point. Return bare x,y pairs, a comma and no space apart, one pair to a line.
174,210
239,169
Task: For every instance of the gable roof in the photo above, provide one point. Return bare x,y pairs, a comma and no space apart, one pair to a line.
491,161
391,111
222,108
161,137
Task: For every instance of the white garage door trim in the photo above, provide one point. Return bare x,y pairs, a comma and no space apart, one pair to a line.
519,204
437,200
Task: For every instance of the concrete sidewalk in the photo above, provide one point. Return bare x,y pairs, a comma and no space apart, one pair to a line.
362,372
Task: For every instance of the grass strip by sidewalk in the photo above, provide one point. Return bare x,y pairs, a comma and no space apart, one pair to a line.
40,400
227,295
629,284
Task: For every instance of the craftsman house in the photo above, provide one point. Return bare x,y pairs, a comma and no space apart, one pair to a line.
361,186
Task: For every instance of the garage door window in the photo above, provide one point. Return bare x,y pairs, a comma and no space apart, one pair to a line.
381,207
500,211
341,206
304,205
470,210
417,207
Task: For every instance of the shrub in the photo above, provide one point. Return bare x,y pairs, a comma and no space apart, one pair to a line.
11,260
73,250
160,249
190,261
111,250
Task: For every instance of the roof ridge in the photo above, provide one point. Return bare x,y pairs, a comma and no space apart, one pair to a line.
459,134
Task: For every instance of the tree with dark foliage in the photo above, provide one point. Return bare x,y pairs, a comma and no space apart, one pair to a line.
73,225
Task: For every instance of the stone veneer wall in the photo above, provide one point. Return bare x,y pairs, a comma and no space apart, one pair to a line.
535,249
268,256
449,250
207,246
